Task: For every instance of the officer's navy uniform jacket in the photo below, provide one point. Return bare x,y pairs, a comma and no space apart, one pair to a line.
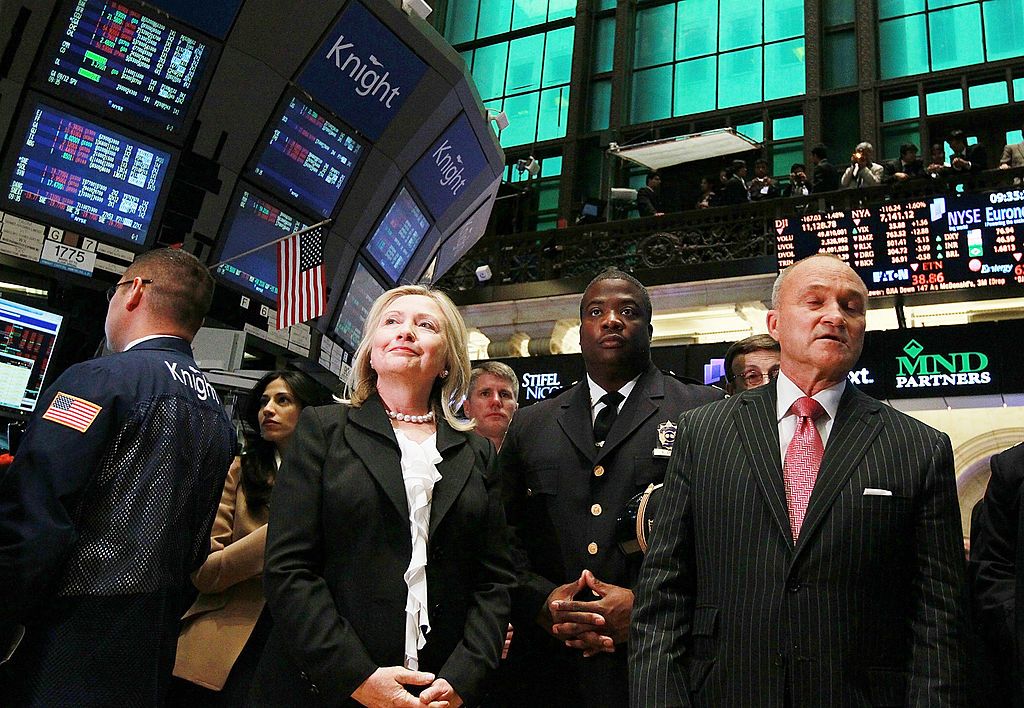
562,496
103,515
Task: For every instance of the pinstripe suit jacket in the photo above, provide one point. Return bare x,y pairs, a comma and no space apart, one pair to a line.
866,610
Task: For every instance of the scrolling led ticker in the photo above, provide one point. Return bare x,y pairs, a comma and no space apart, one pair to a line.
918,246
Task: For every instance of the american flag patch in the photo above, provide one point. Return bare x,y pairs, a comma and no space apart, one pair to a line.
72,411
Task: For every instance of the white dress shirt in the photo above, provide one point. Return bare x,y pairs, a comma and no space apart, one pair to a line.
787,393
596,392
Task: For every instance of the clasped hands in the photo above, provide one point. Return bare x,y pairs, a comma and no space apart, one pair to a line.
386,687
591,626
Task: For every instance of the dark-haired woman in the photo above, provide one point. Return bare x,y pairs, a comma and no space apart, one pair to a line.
224,631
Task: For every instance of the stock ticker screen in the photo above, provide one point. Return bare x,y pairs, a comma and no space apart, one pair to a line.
918,246
308,158
398,234
254,222
76,171
133,66
362,292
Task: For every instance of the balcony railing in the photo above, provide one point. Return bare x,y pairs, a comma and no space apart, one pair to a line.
674,241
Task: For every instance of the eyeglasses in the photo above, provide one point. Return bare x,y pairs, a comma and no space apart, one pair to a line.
113,288
756,378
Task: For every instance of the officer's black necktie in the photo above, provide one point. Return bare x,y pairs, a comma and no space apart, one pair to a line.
606,416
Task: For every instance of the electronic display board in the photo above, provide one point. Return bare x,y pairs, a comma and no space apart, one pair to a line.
253,222
451,163
917,246
27,339
362,71
398,234
308,158
127,64
363,290
214,17
456,245
77,172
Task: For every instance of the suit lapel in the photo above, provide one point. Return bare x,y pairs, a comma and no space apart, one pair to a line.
856,427
372,438
574,419
641,405
757,423
455,466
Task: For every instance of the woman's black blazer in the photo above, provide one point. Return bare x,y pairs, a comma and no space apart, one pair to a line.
339,543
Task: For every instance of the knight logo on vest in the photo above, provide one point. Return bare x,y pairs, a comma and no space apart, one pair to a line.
918,370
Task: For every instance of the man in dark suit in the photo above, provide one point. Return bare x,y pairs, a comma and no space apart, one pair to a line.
807,549
995,566
570,465
648,197
906,166
966,158
108,506
825,177
734,190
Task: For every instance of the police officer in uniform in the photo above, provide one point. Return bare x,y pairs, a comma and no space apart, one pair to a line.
570,465
108,505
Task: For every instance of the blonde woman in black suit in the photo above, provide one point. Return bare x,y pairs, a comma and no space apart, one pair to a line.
387,569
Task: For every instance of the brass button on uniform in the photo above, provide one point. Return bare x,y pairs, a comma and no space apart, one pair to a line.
598,471
592,549
596,510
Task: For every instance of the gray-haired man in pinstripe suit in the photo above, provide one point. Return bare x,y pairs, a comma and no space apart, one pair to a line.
857,600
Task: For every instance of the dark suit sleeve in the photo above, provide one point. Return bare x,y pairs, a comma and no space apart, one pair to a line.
470,663
53,466
531,590
663,610
644,205
320,641
993,566
938,659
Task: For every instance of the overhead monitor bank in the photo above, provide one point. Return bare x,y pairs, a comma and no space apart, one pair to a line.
120,126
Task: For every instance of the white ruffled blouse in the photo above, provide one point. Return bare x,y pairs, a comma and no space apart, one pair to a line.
419,470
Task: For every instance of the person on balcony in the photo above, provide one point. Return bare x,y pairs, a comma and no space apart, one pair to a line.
734,190
863,170
648,197
763,185
825,177
907,166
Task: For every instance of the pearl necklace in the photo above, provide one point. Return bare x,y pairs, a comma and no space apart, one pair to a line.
405,417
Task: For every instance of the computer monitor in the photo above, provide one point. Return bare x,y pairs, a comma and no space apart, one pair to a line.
28,336
80,174
398,234
363,290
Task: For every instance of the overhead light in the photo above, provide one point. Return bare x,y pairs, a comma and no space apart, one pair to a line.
417,7
23,289
500,119
623,194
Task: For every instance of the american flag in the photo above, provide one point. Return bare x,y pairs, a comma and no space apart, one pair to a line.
72,411
302,286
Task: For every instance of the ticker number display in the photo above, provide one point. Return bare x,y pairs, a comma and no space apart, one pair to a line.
308,158
362,293
81,172
128,64
918,246
398,235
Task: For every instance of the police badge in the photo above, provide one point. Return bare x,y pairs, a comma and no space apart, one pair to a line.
666,438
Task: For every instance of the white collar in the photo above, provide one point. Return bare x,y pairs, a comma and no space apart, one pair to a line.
596,392
787,392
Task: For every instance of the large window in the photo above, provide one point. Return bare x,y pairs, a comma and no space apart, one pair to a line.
694,56
918,36
528,76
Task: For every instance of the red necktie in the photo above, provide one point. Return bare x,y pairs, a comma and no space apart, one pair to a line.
803,459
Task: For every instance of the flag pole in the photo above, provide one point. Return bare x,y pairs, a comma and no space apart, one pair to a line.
270,243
